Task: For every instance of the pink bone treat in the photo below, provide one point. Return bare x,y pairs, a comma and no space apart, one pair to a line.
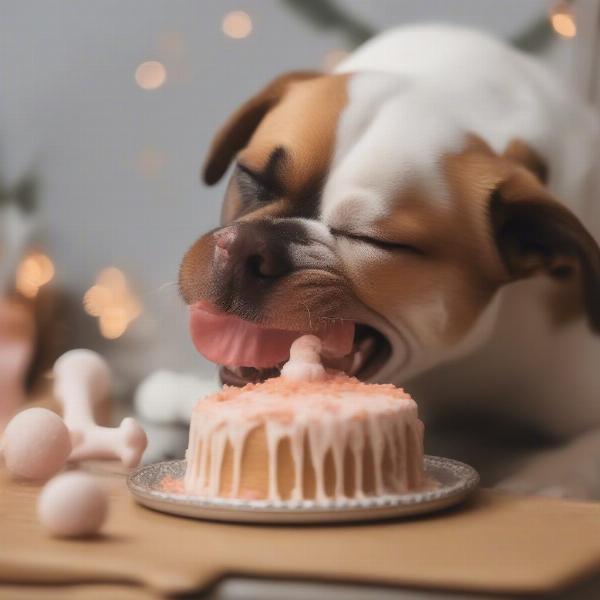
72,504
36,444
305,360
81,380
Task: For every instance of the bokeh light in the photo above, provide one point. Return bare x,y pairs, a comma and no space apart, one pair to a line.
113,322
151,75
112,301
34,271
150,162
237,24
96,299
563,20
171,44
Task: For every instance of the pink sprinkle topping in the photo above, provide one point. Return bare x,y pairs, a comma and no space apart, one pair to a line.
336,383
171,485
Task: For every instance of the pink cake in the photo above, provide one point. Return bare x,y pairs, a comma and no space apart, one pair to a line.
308,434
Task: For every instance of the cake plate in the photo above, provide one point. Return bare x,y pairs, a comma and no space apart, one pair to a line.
452,482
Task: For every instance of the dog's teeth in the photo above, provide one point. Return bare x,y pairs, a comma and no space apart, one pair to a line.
358,361
366,345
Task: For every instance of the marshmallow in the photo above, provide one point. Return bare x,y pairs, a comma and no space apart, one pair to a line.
36,444
167,397
72,505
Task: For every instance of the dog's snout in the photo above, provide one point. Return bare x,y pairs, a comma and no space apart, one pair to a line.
253,251
237,265
224,237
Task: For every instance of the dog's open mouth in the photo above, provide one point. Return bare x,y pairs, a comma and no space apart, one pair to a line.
248,352
370,350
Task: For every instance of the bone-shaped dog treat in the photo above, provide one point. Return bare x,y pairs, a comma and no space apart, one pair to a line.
305,360
81,381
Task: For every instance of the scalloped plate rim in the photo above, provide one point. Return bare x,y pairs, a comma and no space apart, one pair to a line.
464,480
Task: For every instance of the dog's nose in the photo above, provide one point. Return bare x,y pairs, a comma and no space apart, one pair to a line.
253,251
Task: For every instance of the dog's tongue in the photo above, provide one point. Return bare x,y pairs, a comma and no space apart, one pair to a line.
228,340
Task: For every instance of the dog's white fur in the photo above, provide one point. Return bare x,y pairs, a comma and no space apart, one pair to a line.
451,79
516,364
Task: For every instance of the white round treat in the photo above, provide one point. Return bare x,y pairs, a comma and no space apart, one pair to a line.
36,444
73,504
167,397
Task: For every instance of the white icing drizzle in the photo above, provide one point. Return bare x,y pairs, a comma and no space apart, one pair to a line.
320,442
402,454
338,450
296,438
217,450
338,423
357,445
237,438
377,446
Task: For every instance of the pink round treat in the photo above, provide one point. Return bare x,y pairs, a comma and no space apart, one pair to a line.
36,444
72,505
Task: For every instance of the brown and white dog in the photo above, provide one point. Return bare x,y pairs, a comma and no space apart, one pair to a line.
428,198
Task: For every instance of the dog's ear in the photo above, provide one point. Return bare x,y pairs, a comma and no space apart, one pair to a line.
522,153
238,129
535,233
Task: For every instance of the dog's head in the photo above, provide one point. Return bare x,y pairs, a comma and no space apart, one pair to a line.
352,201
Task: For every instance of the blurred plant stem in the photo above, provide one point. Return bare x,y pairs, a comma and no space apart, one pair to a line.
17,206
327,14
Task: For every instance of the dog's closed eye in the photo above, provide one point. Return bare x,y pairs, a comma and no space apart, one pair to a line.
379,243
265,184
254,186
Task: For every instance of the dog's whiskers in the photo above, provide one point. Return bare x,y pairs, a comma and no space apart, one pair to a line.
333,320
161,288
310,324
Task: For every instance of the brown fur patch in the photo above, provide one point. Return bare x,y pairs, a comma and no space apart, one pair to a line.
521,153
240,126
454,274
303,123
437,292
549,238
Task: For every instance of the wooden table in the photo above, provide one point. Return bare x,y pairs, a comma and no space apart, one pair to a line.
495,543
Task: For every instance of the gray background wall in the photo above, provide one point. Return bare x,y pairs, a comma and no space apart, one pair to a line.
71,112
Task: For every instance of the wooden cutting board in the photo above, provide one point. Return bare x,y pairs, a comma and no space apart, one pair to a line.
495,543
